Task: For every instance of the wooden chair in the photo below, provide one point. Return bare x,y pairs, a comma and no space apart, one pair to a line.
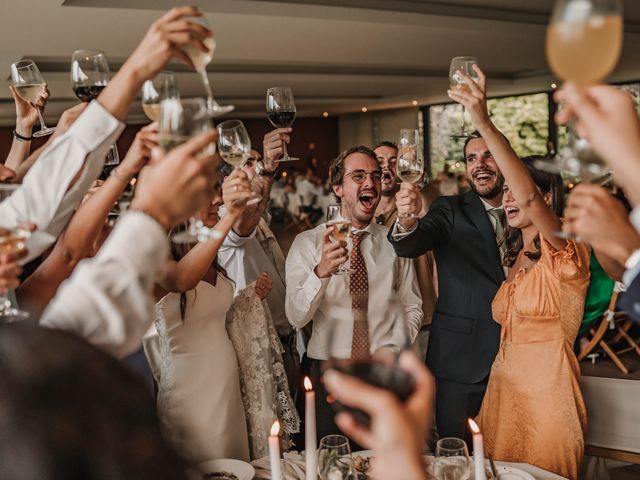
611,320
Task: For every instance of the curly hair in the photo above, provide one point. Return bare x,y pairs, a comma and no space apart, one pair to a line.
336,169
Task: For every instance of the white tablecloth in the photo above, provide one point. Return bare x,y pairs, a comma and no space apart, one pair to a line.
293,468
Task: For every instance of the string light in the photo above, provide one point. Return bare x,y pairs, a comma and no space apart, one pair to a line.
325,114
364,109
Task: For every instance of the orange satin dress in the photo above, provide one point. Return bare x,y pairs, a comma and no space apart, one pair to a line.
533,411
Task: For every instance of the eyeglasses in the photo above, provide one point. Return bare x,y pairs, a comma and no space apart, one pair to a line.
359,176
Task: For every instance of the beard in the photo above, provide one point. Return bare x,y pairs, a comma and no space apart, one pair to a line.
488,192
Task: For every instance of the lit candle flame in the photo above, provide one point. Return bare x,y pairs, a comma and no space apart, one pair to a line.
307,384
275,429
474,426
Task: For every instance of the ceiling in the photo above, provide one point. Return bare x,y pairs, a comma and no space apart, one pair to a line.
337,55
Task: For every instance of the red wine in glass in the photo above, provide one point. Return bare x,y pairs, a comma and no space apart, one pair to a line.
86,93
281,112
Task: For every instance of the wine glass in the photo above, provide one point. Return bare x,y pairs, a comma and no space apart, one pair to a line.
200,61
179,121
89,76
410,164
583,45
234,146
156,90
281,112
452,460
341,232
27,79
12,241
376,361
457,82
334,459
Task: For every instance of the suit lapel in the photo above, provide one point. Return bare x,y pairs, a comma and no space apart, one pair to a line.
476,212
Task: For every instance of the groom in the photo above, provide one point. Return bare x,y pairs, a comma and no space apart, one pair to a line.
464,232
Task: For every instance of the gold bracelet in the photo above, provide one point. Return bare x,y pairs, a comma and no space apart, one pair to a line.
115,173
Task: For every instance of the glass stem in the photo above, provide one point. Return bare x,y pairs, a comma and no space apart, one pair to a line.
5,303
285,154
42,125
462,129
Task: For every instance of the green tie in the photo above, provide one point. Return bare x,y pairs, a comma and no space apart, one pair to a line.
499,217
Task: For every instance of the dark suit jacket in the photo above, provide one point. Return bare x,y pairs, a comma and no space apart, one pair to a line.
464,337
630,300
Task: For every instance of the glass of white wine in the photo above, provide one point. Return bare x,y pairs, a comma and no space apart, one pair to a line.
200,61
583,45
179,121
410,163
341,232
12,241
29,83
156,90
457,82
452,460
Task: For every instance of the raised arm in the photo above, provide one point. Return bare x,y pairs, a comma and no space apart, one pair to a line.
521,185
26,118
185,274
80,236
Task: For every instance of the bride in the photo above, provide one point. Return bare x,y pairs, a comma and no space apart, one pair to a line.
199,395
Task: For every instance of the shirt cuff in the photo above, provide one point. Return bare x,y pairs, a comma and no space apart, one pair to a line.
633,268
140,240
634,217
94,125
399,232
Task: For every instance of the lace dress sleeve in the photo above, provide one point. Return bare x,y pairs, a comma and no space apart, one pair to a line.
263,381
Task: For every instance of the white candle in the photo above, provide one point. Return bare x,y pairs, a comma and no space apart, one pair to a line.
274,452
311,449
478,451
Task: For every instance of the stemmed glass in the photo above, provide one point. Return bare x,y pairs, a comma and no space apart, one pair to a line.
410,165
27,79
200,61
457,82
89,76
583,44
179,121
334,459
156,90
234,146
341,232
451,460
281,112
12,241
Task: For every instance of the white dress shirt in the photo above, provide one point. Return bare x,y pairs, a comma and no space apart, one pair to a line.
327,300
107,300
245,258
45,197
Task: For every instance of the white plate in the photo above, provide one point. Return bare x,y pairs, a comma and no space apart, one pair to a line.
240,469
511,473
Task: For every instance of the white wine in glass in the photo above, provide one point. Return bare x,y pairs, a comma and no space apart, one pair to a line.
458,82
342,227
584,39
156,90
410,163
29,84
12,241
200,61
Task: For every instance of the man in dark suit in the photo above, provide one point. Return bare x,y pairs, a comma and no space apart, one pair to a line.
464,232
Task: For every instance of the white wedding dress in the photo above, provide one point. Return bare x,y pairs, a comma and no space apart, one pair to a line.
199,401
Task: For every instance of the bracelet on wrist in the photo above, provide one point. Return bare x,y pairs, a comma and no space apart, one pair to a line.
17,136
119,176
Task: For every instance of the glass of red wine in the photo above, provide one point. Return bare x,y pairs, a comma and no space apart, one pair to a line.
281,112
89,75
379,366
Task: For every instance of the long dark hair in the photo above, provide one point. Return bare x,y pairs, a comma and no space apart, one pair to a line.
547,183
178,251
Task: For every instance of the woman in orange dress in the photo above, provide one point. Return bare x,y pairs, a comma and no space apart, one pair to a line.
533,411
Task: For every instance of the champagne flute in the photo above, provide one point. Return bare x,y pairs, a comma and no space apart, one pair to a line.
156,90
410,165
379,365
200,60
179,121
457,82
334,459
27,79
234,146
452,460
341,232
12,241
281,112
89,76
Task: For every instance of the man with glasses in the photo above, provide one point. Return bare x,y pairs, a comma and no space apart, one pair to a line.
377,275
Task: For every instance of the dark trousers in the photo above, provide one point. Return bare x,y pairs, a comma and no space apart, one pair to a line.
455,403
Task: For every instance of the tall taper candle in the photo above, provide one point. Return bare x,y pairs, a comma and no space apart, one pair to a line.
274,452
311,448
478,451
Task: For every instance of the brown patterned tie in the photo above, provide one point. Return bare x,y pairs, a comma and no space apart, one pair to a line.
359,290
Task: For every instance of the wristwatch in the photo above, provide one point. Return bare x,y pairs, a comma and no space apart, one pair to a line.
262,171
